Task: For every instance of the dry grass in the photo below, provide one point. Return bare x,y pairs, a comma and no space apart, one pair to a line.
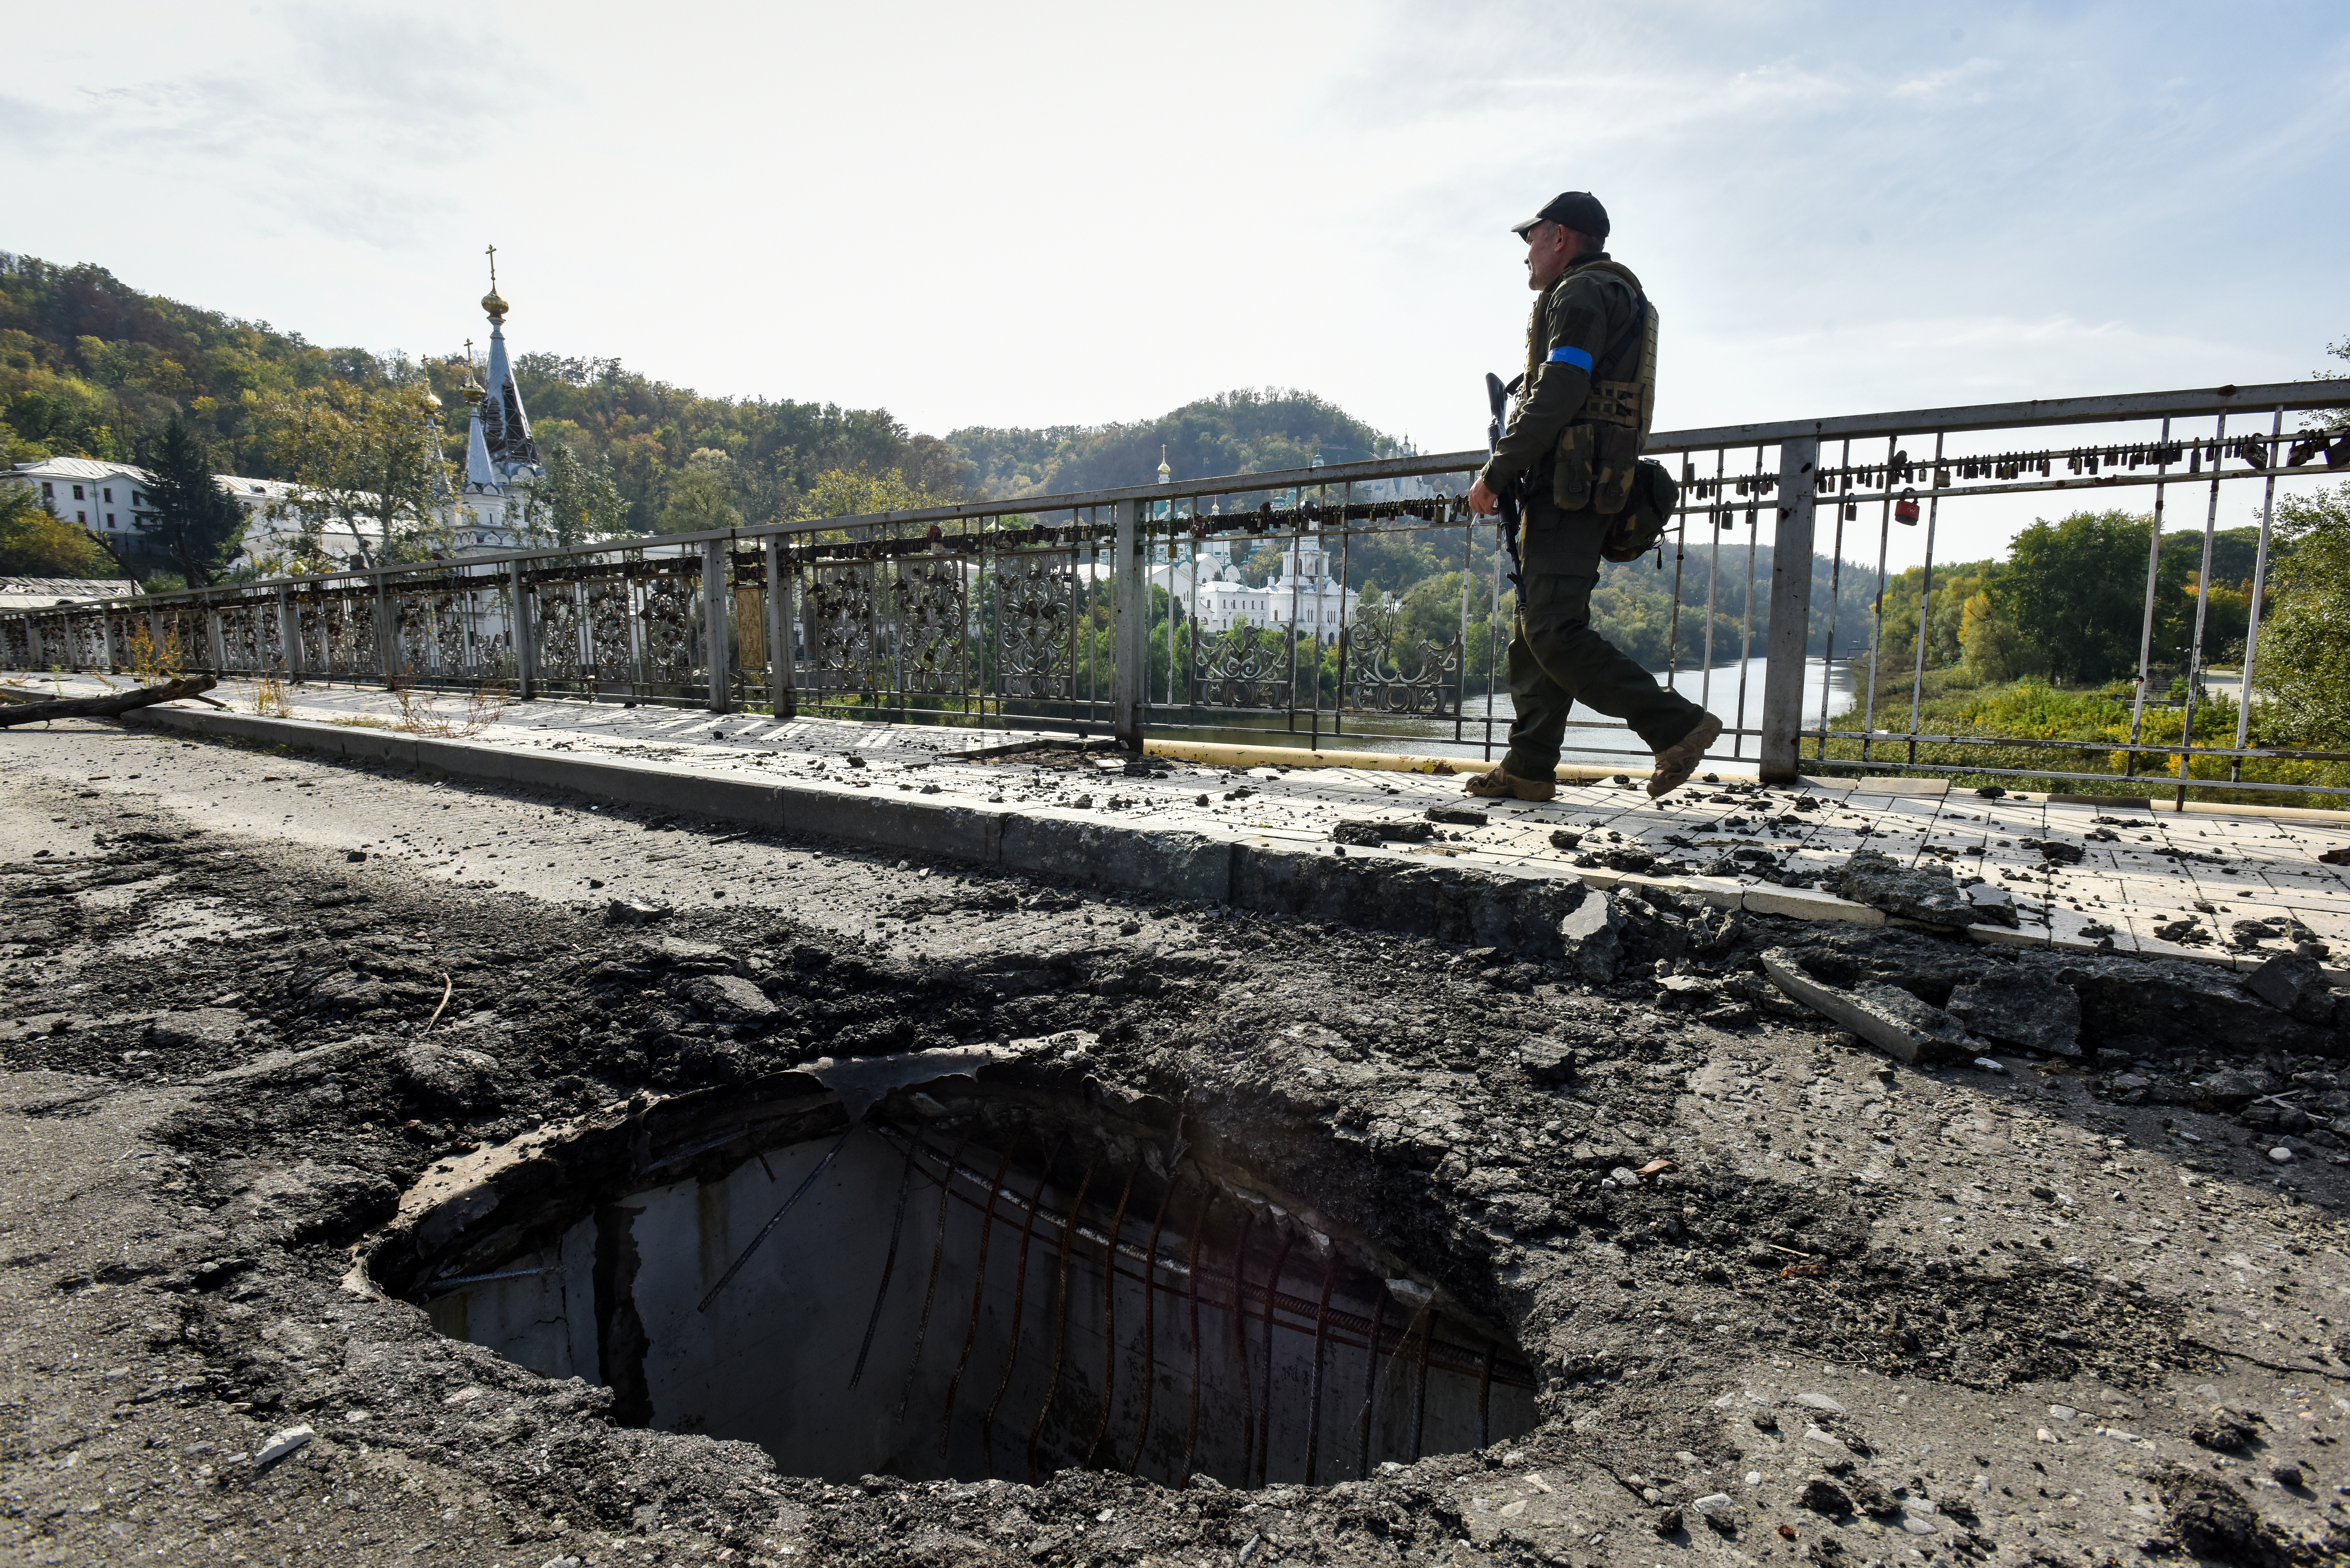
420,713
153,666
270,698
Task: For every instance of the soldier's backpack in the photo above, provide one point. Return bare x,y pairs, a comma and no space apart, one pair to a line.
1634,532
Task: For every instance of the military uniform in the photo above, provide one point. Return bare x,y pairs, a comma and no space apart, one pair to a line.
1571,443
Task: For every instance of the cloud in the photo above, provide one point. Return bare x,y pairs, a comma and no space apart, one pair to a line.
1960,84
1107,212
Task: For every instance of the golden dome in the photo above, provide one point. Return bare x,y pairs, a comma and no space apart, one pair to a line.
493,305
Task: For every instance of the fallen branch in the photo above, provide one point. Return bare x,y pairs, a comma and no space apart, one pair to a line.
448,989
2223,1351
104,707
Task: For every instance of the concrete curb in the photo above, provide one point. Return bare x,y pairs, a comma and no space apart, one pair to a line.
1518,913
1516,910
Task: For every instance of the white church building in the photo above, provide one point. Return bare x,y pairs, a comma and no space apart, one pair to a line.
1217,596
487,512
1302,593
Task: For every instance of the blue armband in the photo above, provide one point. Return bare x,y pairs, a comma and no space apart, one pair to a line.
1575,357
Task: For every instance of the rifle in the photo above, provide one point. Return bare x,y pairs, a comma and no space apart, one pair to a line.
1497,397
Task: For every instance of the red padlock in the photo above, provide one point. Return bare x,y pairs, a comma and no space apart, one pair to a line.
1906,509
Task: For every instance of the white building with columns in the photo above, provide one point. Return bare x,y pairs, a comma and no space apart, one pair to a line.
1302,593
1217,596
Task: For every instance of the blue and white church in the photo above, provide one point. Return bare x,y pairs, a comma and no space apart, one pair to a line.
492,506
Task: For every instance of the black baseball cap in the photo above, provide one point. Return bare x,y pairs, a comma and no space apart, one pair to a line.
1575,208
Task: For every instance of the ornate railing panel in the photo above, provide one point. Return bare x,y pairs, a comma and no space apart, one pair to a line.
1388,671
1035,613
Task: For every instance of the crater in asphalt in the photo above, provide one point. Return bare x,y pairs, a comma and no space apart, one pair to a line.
973,1279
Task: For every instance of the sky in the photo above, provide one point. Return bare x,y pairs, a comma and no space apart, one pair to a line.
1050,214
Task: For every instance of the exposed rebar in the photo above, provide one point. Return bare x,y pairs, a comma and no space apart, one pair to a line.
777,1219
1265,1411
930,1294
978,1300
1061,1333
1019,1305
1150,1325
1485,1394
1199,1231
1109,1313
1240,1341
889,1266
1314,1396
1371,1386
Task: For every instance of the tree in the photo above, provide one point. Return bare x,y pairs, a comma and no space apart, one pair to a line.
192,523
701,499
365,457
1989,639
855,492
2304,660
575,503
2075,590
35,542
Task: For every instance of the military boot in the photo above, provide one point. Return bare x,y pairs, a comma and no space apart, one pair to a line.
1502,784
1677,760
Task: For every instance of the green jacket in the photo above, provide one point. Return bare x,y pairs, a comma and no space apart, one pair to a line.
1584,310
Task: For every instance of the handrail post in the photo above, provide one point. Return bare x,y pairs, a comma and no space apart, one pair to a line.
781,622
387,631
1791,609
1130,700
526,645
215,638
714,620
289,637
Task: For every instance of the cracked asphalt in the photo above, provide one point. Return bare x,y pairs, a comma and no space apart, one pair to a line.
1859,1312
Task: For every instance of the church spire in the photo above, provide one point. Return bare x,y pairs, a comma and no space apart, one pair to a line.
479,475
505,426
491,302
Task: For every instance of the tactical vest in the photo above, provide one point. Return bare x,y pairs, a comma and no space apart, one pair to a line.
1598,451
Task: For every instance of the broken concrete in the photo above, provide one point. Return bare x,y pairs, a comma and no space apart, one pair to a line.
1592,939
1891,1018
2296,985
1928,894
2020,1004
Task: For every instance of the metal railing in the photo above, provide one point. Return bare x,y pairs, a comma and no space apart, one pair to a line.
1147,609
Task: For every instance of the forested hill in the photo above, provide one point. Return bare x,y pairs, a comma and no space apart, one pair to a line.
1232,433
91,367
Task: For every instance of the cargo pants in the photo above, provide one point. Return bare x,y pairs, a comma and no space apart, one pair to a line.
1558,658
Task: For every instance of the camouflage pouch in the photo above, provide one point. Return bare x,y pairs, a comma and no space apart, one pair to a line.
1613,471
1570,477
1645,517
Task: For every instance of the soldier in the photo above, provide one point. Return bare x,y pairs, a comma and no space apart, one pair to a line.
1572,443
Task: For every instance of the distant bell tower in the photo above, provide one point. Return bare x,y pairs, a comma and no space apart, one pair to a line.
500,456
